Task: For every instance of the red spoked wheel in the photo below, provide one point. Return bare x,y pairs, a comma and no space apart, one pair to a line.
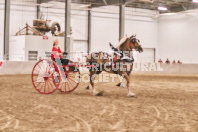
70,79
44,77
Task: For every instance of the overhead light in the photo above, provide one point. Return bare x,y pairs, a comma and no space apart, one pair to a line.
196,1
85,5
162,8
151,1
167,14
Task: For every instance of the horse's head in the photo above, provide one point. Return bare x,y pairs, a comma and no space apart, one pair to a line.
135,44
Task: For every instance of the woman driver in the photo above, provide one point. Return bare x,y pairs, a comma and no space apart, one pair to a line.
56,54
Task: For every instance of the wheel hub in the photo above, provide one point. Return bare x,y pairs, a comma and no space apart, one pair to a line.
46,76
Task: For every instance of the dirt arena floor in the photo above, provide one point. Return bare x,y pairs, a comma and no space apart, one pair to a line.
162,104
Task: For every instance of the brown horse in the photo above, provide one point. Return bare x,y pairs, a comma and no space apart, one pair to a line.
121,65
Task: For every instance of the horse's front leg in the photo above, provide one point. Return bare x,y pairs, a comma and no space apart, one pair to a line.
127,77
122,84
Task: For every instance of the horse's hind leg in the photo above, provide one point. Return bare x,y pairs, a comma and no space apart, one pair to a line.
92,77
91,82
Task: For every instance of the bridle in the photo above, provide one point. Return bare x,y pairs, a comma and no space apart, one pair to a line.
133,40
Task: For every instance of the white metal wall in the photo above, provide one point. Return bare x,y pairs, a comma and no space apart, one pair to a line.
20,15
139,21
1,27
178,38
173,37
79,23
105,24
105,28
37,43
147,56
17,48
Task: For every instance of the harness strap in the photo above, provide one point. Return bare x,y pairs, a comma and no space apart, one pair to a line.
118,52
130,44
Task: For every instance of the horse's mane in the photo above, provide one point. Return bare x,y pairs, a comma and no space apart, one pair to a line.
122,41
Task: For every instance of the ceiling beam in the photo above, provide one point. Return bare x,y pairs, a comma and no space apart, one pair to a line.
172,5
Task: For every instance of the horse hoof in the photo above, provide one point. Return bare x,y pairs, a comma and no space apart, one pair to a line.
131,95
99,94
119,84
87,87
